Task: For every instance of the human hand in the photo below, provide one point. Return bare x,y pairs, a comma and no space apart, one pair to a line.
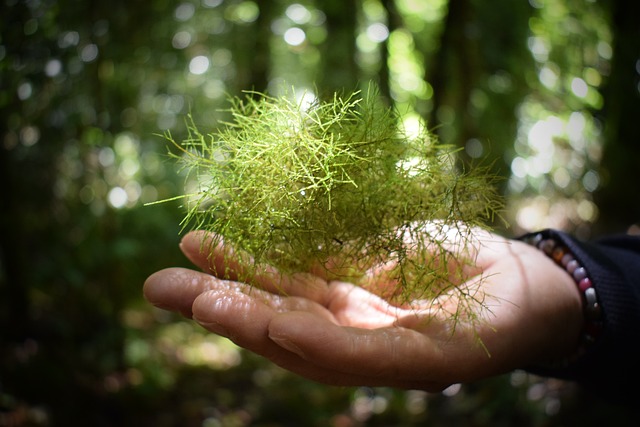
525,310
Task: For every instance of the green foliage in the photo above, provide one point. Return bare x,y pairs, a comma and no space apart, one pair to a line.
337,183
85,85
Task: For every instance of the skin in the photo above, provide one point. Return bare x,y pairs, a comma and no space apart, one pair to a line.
526,311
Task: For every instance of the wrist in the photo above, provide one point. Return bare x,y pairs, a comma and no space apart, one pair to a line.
591,316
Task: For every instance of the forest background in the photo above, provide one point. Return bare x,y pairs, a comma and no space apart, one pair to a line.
547,92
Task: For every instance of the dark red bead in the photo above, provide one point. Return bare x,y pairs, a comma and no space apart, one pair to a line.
584,284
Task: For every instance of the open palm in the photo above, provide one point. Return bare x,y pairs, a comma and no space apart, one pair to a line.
524,310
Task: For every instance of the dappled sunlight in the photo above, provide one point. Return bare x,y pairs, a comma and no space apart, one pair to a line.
91,89
557,157
182,342
555,169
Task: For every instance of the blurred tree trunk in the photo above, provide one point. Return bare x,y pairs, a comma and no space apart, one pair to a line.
477,44
27,175
250,46
15,279
338,52
394,21
262,50
451,78
61,284
619,199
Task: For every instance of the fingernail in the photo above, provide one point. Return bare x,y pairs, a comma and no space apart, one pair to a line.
191,246
285,343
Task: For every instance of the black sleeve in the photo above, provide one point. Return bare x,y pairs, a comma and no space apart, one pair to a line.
611,366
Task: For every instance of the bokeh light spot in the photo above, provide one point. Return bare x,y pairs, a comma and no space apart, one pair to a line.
378,32
199,65
474,148
184,11
181,40
294,36
298,13
89,53
244,13
24,91
53,67
579,87
117,197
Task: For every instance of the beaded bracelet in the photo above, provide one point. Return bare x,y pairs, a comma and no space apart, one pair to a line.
563,257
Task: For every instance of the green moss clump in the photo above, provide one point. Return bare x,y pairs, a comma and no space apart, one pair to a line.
337,184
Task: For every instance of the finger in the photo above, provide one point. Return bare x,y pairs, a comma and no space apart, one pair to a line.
438,257
204,249
175,289
245,320
354,306
209,252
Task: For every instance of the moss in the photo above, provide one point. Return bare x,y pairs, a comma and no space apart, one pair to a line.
337,184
